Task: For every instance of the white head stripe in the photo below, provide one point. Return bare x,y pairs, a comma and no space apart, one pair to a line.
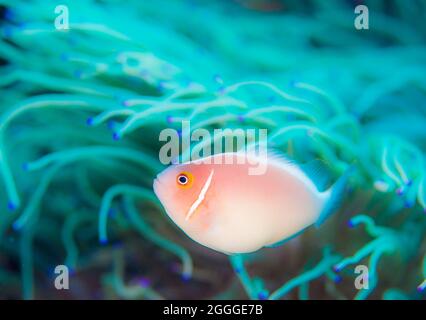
201,196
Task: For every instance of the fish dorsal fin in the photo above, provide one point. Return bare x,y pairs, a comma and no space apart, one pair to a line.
318,172
315,170
271,154
280,157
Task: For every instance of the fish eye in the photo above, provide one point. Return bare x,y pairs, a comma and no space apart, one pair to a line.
184,179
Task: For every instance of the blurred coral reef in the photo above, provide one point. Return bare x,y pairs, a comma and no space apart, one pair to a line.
81,111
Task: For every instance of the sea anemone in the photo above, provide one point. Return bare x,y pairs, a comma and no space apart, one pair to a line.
81,110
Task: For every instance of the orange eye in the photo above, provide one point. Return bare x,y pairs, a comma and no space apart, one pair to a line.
184,179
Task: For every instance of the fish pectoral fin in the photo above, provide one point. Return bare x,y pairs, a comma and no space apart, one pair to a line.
335,197
318,172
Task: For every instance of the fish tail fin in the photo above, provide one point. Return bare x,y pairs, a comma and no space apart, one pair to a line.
334,197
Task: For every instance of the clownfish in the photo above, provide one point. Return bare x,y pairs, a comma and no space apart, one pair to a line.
223,207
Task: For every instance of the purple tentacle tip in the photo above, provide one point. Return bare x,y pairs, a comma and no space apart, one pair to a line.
125,103
338,279
189,83
9,14
262,295
103,241
111,124
116,136
240,118
161,85
89,121
292,83
16,226
408,204
11,206
409,182
144,282
7,32
420,288
78,73
64,56
169,119
111,212
400,191
25,166
350,224
218,79
221,90
186,277
272,98
336,269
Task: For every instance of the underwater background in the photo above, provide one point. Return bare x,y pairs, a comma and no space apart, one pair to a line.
80,116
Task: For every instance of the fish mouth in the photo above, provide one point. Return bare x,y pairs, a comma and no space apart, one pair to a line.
160,193
157,187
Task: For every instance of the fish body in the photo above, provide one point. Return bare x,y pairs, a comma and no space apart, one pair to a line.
223,207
